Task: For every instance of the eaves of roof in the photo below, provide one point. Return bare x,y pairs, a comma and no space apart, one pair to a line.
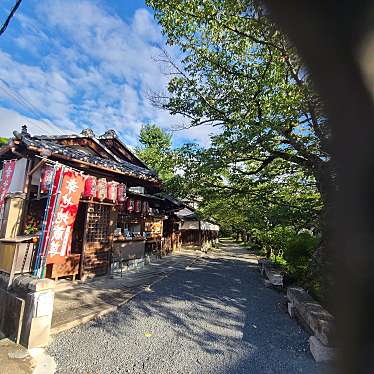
40,144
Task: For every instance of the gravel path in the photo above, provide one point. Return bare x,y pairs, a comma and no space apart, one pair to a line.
214,317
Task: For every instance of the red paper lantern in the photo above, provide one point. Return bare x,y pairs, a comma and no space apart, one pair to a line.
145,207
46,179
130,204
101,190
112,191
90,187
121,193
138,206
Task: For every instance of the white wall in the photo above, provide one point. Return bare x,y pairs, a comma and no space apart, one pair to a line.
19,176
194,225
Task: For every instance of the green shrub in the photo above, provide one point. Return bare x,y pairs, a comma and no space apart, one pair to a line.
298,252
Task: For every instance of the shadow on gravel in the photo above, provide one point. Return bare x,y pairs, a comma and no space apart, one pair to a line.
220,307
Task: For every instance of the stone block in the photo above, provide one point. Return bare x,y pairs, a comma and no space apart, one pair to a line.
11,315
27,283
298,295
319,351
318,320
267,283
274,276
291,310
39,332
38,318
4,281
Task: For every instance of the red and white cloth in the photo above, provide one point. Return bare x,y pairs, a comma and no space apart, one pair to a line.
6,179
64,214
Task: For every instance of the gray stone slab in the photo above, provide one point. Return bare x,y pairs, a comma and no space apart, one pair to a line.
291,310
11,315
319,351
313,315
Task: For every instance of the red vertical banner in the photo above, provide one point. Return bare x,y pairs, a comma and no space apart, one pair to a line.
66,207
6,179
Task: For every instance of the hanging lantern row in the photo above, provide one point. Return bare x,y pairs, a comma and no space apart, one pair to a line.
101,189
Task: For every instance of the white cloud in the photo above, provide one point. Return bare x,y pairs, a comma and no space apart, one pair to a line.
11,120
93,69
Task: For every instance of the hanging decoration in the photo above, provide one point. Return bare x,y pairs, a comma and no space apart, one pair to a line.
48,219
90,187
112,191
138,206
101,190
130,204
6,179
46,178
121,193
66,210
145,207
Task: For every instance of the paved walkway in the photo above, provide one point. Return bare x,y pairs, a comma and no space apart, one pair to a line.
212,316
80,302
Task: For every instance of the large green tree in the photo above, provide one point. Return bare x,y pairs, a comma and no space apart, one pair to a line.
156,150
239,72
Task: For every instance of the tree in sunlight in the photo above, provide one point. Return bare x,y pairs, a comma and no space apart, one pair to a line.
239,72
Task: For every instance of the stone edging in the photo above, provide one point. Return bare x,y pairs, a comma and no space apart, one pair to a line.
273,277
317,320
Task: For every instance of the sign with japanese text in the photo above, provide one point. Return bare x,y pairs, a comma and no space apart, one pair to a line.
6,179
66,208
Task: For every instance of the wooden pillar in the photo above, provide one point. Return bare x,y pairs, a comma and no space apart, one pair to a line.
84,243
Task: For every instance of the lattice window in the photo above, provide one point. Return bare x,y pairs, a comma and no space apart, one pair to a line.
98,223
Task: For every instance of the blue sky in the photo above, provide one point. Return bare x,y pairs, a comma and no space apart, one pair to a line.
66,65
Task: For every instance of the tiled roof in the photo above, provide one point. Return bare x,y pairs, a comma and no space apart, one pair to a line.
49,143
187,214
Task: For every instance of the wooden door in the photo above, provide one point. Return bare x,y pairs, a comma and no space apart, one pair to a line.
97,245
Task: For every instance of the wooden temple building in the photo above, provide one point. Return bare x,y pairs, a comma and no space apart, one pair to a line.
127,220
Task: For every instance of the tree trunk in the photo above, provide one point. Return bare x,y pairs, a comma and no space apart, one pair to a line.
320,275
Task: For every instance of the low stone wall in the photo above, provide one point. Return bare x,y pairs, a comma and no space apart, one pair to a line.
318,321
26,310
272,275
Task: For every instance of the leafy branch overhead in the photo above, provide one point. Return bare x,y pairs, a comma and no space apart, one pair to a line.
240,72
270,164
